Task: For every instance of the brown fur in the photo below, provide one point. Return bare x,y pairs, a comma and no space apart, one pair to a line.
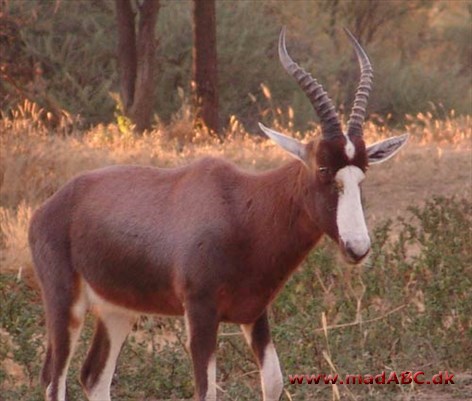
207,239
96,357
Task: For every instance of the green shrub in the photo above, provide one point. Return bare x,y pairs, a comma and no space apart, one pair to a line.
408,308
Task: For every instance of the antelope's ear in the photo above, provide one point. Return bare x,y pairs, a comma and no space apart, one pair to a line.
291,145
384,150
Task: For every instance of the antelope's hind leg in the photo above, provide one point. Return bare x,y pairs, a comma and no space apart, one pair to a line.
64,318
258,337
111,330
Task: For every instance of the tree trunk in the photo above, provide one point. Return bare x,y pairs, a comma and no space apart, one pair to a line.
126,51
136,55
205,75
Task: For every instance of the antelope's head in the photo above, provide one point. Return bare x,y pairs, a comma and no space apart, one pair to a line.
337,162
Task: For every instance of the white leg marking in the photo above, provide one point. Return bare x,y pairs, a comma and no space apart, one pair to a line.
272,381
118,322
78,311
271,376
350,216
117,326
211,378
349,148
187,332
211,368
61,386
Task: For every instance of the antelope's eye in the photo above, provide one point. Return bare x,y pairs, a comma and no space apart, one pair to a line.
325,174
324,171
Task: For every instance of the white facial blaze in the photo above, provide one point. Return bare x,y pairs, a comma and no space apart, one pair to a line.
350,216
349,148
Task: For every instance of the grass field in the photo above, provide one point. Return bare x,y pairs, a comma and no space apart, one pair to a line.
408,308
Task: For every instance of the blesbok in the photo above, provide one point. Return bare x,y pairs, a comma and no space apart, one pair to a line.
207,241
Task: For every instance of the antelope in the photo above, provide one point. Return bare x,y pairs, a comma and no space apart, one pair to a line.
207,241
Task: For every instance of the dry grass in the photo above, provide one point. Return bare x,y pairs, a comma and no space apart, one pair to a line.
14,227
34,163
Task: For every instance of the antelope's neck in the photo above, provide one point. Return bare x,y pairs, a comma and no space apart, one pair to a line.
285,212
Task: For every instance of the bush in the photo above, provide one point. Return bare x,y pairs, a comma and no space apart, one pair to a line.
408,308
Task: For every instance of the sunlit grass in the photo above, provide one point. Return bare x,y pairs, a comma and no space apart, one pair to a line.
37,158
39,154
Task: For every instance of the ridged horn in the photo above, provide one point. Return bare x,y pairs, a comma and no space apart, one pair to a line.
357,116
330,125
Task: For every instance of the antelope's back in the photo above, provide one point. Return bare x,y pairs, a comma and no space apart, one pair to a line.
125,229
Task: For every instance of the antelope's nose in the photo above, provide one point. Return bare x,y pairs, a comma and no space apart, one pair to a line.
356,250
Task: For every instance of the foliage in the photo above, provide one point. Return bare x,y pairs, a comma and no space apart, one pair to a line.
72,57
405,310
20,341
65,55
409,308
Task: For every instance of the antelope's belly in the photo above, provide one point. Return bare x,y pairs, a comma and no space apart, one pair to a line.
132,300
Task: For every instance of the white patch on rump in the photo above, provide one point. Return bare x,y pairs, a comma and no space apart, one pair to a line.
349,148
350,216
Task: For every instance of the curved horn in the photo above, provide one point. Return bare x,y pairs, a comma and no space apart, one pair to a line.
331,127
357,116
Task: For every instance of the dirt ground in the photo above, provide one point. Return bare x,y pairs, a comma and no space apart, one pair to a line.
415,175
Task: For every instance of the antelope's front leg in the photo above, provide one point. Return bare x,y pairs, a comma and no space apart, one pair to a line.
258,337
202,326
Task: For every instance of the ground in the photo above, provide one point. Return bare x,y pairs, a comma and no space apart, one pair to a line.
414,175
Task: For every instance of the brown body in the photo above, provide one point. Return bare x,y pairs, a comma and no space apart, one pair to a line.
207,241
147,238
158,241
